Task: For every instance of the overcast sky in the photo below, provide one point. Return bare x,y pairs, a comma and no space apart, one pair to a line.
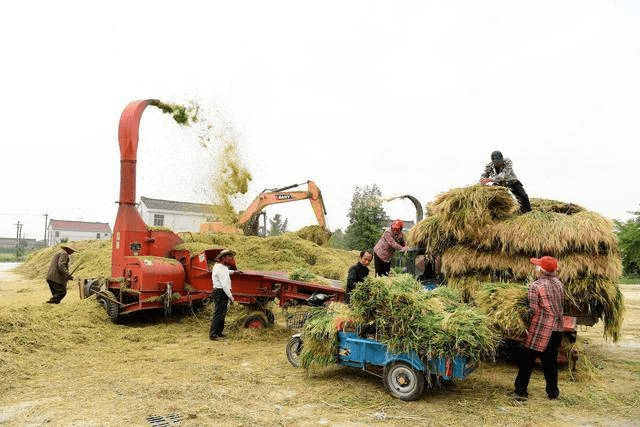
410,95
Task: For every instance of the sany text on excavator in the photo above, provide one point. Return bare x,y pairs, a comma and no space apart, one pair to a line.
249,220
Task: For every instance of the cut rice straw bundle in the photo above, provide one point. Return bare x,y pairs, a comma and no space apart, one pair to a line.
462,261
548,205
537,233
467,286
431,323
465,210
430,235
320,334
504,304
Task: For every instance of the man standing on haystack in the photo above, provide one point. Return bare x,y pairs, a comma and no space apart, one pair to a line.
500,172
545,330
58,274
221,276
390,241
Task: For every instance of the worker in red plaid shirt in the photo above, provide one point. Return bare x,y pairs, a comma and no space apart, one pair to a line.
545,330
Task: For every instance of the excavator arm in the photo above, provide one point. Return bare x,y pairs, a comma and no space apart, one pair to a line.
249,219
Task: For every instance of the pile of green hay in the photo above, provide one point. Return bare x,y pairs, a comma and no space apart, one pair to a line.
316,234
320,334
479,238
287,252
93,259
406,318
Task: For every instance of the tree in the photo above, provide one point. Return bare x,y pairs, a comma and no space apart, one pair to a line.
338,240
278,225
629,237
366,218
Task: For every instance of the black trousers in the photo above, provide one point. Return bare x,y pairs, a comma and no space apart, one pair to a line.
549,359
382,268
518,191
58,291
221,301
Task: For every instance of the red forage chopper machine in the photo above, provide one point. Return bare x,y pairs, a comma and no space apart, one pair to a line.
147,272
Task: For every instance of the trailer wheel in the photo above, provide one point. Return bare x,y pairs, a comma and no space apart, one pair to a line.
109,304
294,347
271,318
256,321
403,381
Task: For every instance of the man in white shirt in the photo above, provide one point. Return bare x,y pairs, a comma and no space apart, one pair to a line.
221,276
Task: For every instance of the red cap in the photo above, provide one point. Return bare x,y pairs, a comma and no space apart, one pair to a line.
397,224
547,263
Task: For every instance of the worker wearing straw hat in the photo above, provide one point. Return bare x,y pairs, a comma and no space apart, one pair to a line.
58,274
545,330
221,276
500,172
390,241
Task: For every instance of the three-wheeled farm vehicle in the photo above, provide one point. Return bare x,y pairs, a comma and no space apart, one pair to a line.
404,375
148,273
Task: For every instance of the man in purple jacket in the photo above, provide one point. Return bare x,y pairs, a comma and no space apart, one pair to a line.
543,338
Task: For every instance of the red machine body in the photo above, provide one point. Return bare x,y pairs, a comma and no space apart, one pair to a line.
148,273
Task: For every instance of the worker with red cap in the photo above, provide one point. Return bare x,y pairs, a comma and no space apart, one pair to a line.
545,329
390,241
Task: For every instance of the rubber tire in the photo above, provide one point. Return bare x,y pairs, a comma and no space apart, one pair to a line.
256,321
113,310
397,372
293,350
271,318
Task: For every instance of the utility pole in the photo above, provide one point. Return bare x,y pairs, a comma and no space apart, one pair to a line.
18,231
46,218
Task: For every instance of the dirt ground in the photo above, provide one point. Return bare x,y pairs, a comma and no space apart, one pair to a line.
68,365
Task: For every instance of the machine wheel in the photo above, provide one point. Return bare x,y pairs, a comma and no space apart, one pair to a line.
112,308
402,381
294,347
256,321
271,318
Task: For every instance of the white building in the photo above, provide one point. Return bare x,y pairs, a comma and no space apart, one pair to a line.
177,216
58,230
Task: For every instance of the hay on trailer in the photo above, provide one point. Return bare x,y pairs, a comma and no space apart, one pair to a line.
431,323
538,233
305,275
548,205
315,233
462,261
504,304
431,235
465,210
320,333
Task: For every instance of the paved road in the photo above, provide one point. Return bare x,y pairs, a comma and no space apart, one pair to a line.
6,266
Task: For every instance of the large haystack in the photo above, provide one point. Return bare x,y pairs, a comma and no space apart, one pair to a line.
287,252
480,240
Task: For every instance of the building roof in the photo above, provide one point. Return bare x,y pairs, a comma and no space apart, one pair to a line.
102,227
170,205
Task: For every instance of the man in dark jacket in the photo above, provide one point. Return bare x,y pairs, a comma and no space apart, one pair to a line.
357,273
500,172
59,275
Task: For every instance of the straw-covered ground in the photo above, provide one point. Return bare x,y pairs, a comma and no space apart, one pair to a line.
68,365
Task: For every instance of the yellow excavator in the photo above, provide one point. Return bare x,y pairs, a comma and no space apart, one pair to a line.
249,220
